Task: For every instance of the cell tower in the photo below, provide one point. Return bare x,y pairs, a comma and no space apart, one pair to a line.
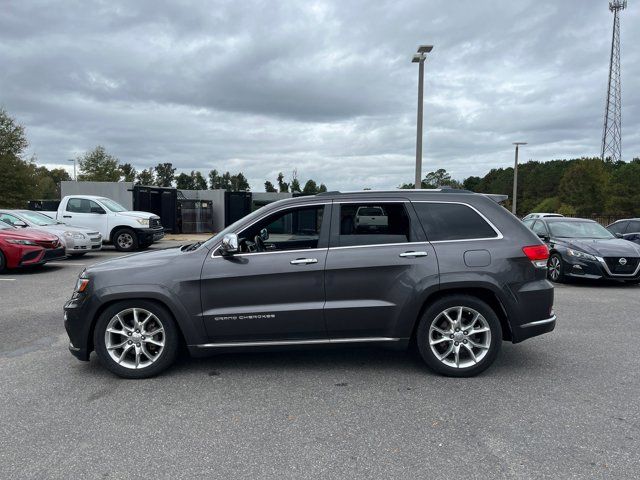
612,133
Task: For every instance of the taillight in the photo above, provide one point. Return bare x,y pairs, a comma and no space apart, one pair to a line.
538,254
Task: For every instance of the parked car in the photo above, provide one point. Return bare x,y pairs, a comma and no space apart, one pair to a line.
77,240
27,247
371,218
629,229
542,215
126,230
581,248
453,271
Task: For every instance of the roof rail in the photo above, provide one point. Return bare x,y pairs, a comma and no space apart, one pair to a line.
398,190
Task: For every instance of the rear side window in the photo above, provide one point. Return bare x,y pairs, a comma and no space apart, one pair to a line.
539,228
452,221
374,224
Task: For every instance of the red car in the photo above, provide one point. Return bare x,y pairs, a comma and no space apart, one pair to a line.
22,247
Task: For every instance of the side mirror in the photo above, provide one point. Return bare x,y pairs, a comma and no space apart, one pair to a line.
229,244
264,234
619,235
20,224
97,210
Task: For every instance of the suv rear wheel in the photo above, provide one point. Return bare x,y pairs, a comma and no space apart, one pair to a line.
136,339
459,336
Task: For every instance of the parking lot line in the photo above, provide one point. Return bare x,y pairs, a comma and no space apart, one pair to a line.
7,279
67,264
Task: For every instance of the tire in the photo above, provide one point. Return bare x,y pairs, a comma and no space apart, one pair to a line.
132,354
125,240
476,352
555,269
3,263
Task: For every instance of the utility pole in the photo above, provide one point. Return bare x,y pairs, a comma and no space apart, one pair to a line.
514,203
419,58
75,177
612,131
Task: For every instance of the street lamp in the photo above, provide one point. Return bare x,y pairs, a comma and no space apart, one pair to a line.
419,58
75,178
515,178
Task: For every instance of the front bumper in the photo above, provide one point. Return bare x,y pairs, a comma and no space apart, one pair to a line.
77,324
35,258
597,270
77,245
149,235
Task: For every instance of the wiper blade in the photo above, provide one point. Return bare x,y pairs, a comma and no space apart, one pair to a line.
193,246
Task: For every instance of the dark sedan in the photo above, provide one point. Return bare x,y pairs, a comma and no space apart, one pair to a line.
582,248
629,229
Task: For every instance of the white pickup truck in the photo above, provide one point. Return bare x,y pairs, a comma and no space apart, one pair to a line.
126,230
371,218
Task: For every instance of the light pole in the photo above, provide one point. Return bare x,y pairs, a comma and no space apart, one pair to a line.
75,178
419,58
515,179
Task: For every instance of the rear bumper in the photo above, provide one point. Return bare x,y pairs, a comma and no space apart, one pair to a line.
532,314
537,327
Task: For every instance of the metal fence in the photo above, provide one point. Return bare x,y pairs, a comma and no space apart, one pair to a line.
603,220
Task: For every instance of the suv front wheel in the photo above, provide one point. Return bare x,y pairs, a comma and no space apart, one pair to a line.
459,336
136,339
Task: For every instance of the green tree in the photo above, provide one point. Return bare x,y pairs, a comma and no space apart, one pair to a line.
128,172
322,188
584,185
199,182
471,183
283,186
99,166
146,177
184,182
239,183
310,188
624,190
295,186
165,174
268,187
16,174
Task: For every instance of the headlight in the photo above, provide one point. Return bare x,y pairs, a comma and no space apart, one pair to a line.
579,254
21,242
81,284
75,235
143,221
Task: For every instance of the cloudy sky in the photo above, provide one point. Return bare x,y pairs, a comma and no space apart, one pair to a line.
324,87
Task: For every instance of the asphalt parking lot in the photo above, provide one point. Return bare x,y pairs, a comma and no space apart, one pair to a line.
564,405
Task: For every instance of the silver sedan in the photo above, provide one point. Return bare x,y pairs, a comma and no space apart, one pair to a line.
77,240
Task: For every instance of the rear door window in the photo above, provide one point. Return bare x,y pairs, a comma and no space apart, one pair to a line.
452,221
540,229
374,224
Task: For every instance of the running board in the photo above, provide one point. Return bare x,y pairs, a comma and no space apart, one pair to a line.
277,343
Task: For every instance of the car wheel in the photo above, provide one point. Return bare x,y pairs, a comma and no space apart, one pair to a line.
125,240
459,336
136,339
3,263
555,269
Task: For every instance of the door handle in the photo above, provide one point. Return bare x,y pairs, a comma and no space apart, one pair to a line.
303,261
414,254
67,216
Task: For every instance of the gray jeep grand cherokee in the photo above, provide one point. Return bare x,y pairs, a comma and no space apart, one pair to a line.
451,271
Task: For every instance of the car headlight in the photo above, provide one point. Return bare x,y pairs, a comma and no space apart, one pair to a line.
143,221
76,235
17,241
81,284
579,254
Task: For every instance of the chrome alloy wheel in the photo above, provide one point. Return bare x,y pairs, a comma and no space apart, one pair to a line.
134,338
125,240
459,337
554,268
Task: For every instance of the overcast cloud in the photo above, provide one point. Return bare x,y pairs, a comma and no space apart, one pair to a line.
324,87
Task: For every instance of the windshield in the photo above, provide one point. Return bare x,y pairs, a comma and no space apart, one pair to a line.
5,226
40,219
579,230
113,206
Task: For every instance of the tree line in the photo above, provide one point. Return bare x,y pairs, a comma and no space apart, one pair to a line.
576,187
21,179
